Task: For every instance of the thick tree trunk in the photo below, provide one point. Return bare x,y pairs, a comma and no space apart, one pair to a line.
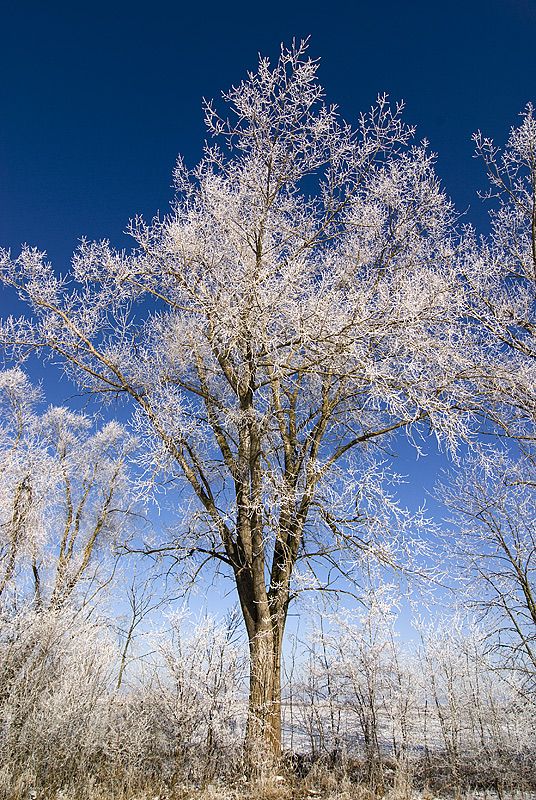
263,733
261,741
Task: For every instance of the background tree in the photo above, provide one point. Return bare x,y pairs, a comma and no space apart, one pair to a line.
495,546
290,313
493,492
23,487
500,272
65,496
65,503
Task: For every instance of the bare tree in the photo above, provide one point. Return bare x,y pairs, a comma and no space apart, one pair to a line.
289,314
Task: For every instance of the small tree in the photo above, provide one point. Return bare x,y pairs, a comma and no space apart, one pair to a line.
294,313
495,546
64,495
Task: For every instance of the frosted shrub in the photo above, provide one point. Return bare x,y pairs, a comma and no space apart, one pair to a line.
479,726
357,696
448,715
64,727
200,693
55,668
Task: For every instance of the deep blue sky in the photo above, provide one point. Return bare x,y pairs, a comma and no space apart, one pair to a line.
97,99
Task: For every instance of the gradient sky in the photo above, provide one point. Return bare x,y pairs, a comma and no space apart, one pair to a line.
97,99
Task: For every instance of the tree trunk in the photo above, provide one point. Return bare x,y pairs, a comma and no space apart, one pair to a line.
263,731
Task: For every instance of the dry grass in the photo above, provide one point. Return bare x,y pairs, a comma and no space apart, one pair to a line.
298,779
322,785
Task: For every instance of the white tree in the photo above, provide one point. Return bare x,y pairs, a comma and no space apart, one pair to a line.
65,494
23,488
501,276
495,546
65,503
493,492
290,313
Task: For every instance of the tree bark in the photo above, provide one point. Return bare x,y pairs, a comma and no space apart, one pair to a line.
263,732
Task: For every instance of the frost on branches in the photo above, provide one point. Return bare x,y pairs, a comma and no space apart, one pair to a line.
493,493
500,272
64,498
291,312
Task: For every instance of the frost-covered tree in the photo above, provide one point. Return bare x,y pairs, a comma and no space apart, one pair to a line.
64,503
493,492
64,495
501,276
494,543
289,314
24,482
